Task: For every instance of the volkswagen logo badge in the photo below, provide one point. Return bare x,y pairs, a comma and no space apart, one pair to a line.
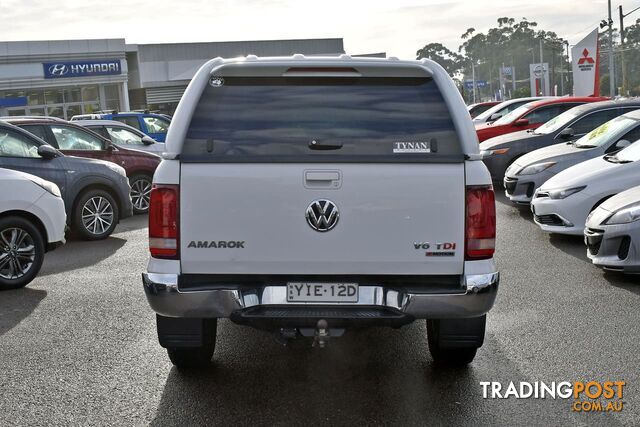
322,215
58,70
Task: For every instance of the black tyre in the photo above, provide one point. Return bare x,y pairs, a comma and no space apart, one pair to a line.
190,343
140,193
95,215
21,252
454,342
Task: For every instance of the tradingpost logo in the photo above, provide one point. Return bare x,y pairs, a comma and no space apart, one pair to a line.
586,396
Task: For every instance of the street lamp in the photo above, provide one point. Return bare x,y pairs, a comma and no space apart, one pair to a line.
604,24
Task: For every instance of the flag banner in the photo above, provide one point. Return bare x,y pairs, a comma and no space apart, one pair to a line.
585,62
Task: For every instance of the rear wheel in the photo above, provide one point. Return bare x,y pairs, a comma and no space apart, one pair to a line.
21,252
454,342
140,193
190,342
96,215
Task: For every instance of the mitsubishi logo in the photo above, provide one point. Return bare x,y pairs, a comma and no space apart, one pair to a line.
58,70
585,58
322,215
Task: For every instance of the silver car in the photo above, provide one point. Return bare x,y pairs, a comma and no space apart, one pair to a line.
612,233
124,135
532,170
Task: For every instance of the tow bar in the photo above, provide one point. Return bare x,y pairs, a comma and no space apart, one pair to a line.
321,337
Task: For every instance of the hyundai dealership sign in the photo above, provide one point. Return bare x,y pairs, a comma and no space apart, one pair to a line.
57,70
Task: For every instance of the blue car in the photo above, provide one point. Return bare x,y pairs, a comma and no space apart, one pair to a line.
154,125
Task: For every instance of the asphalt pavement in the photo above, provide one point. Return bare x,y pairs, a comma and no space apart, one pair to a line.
78,347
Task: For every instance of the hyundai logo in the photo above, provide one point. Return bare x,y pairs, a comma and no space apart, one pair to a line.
58,70
322,215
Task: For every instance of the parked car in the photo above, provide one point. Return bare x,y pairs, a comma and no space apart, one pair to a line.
505,107
530,116
481,107
95,193
32,222
531,170
154,125
75,140
562,204
240,183
612,233
123,135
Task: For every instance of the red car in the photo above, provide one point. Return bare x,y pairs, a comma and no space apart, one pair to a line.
531,116
480,107
75,140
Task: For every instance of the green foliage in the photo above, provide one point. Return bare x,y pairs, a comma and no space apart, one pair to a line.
512,43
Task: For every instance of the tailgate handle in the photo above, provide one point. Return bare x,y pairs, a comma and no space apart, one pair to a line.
322,176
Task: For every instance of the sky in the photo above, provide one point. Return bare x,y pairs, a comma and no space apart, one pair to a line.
397,27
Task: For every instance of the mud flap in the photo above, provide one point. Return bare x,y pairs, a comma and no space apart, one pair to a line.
185,332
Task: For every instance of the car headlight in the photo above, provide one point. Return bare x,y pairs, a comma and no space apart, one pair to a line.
117,169
534,169
48,186
566,192
625,216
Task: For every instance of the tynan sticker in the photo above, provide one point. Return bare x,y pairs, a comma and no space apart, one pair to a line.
411,147
216,81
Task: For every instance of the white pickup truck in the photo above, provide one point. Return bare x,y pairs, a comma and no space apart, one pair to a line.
309,195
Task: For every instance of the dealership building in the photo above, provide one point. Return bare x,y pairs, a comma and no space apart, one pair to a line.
63,78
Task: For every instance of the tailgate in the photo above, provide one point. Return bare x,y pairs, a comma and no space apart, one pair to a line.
250,218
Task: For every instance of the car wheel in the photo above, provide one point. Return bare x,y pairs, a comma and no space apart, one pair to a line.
140,193
96,215
454,342
21,252
196,357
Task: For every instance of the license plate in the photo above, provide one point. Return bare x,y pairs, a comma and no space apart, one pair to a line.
322,292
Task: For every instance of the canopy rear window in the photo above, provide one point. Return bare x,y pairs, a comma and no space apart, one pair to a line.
300,119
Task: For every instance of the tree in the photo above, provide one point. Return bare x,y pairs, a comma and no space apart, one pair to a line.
512,43
439,53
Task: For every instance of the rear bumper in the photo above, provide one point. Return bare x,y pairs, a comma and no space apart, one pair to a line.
165,298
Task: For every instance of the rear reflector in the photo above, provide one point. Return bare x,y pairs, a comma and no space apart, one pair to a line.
163,221
480,233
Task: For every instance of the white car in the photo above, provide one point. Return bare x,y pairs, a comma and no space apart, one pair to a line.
123,135
562,204
497,111
612,233
32,222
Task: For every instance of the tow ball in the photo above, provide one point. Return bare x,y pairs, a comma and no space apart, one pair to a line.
321,337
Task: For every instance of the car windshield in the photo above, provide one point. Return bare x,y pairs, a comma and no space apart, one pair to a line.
606,132
515,114
558,122
629,154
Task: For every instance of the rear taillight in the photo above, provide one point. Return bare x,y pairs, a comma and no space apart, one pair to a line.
163,221
480,232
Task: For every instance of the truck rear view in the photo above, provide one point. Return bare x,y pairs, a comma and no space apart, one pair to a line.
307,196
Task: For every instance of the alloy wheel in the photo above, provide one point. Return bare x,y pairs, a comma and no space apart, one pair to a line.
140,194
17,253
97,215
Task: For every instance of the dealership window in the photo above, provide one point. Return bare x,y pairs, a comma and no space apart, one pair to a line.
90,94
35,97
53,96
72,95
112,97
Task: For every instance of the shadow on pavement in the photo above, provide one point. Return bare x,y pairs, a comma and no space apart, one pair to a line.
571,245
367,375
136,222
16,305
628,282
79,254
